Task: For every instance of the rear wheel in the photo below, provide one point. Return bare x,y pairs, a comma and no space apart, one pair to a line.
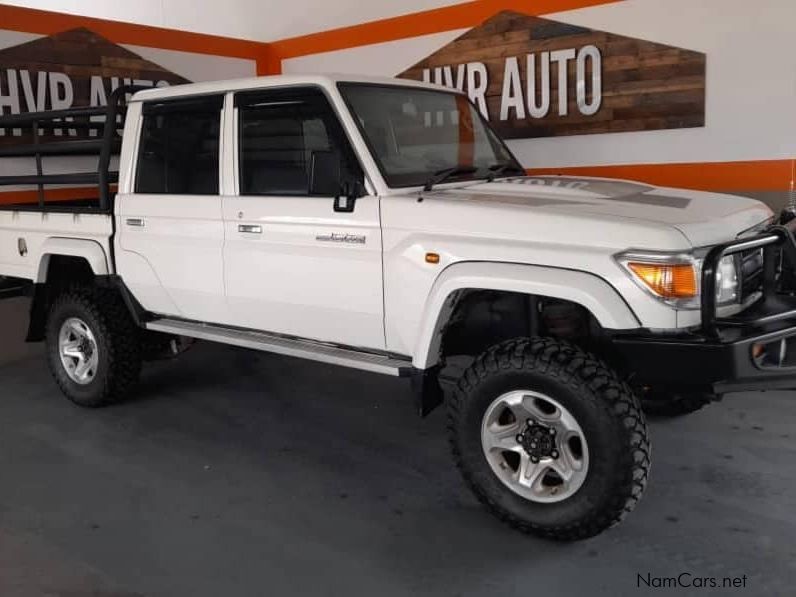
93,346
549,439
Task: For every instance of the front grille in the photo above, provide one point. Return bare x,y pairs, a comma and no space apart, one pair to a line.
752,272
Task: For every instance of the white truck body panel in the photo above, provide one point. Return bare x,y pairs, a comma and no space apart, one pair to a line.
181,238
291,277
554,222
45,234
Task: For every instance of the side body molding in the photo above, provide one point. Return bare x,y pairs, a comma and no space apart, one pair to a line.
89,250
585,289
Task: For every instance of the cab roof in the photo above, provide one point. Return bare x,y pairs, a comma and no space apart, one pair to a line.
326,80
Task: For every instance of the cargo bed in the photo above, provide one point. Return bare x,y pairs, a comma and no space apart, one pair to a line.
68,196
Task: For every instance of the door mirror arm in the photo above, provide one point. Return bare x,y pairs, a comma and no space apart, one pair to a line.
350,191
344,203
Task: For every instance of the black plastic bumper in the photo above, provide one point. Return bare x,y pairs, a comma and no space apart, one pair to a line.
754,350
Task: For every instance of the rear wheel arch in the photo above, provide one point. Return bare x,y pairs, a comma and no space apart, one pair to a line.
57,272
60,253
63,262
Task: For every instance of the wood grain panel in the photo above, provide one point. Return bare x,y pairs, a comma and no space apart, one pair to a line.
645,85
80,54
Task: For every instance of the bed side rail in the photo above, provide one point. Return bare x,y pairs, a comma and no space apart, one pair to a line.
88,131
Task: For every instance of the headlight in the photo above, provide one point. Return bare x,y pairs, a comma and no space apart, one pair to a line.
727,281
675,278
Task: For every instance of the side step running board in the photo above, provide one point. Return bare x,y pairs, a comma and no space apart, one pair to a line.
303,349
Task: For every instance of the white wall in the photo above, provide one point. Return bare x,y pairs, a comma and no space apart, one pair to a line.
197,68
385,59
259,20
194,67
751,82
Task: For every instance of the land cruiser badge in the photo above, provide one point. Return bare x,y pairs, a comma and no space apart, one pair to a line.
353,239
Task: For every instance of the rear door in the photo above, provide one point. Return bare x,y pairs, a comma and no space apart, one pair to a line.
294,265
170,227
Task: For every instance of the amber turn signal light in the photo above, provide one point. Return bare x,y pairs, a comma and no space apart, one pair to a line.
667,280
432,258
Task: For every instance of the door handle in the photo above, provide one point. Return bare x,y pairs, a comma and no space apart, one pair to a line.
250,229
137,222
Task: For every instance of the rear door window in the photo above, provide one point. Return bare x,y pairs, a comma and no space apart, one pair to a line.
179,148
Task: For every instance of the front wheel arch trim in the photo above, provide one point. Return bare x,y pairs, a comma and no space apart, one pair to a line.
583,288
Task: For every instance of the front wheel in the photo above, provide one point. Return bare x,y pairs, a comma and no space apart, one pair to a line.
93,346
549,439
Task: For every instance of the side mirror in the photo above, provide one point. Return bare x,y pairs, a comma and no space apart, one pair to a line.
326,179
325,175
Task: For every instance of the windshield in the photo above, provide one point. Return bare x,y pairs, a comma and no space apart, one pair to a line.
415,134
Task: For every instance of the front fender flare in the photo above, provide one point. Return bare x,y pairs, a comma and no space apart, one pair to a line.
586,289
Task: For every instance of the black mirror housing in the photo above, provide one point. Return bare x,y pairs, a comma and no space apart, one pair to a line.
326,179
325,174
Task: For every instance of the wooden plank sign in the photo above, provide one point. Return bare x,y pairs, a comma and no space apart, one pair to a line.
71,69
533,77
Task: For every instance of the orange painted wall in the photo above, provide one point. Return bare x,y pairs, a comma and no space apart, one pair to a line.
757,176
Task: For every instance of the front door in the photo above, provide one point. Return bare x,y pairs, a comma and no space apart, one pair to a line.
293,264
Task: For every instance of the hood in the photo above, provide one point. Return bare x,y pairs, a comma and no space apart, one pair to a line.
703,218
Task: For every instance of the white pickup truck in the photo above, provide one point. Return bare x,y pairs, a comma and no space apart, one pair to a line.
382,225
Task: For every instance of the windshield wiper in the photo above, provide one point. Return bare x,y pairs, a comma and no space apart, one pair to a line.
498,169
446,173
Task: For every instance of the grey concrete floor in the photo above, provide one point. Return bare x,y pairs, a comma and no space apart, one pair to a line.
240,474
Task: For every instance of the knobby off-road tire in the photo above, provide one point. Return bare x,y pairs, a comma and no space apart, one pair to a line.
615,449
656,403
95,323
